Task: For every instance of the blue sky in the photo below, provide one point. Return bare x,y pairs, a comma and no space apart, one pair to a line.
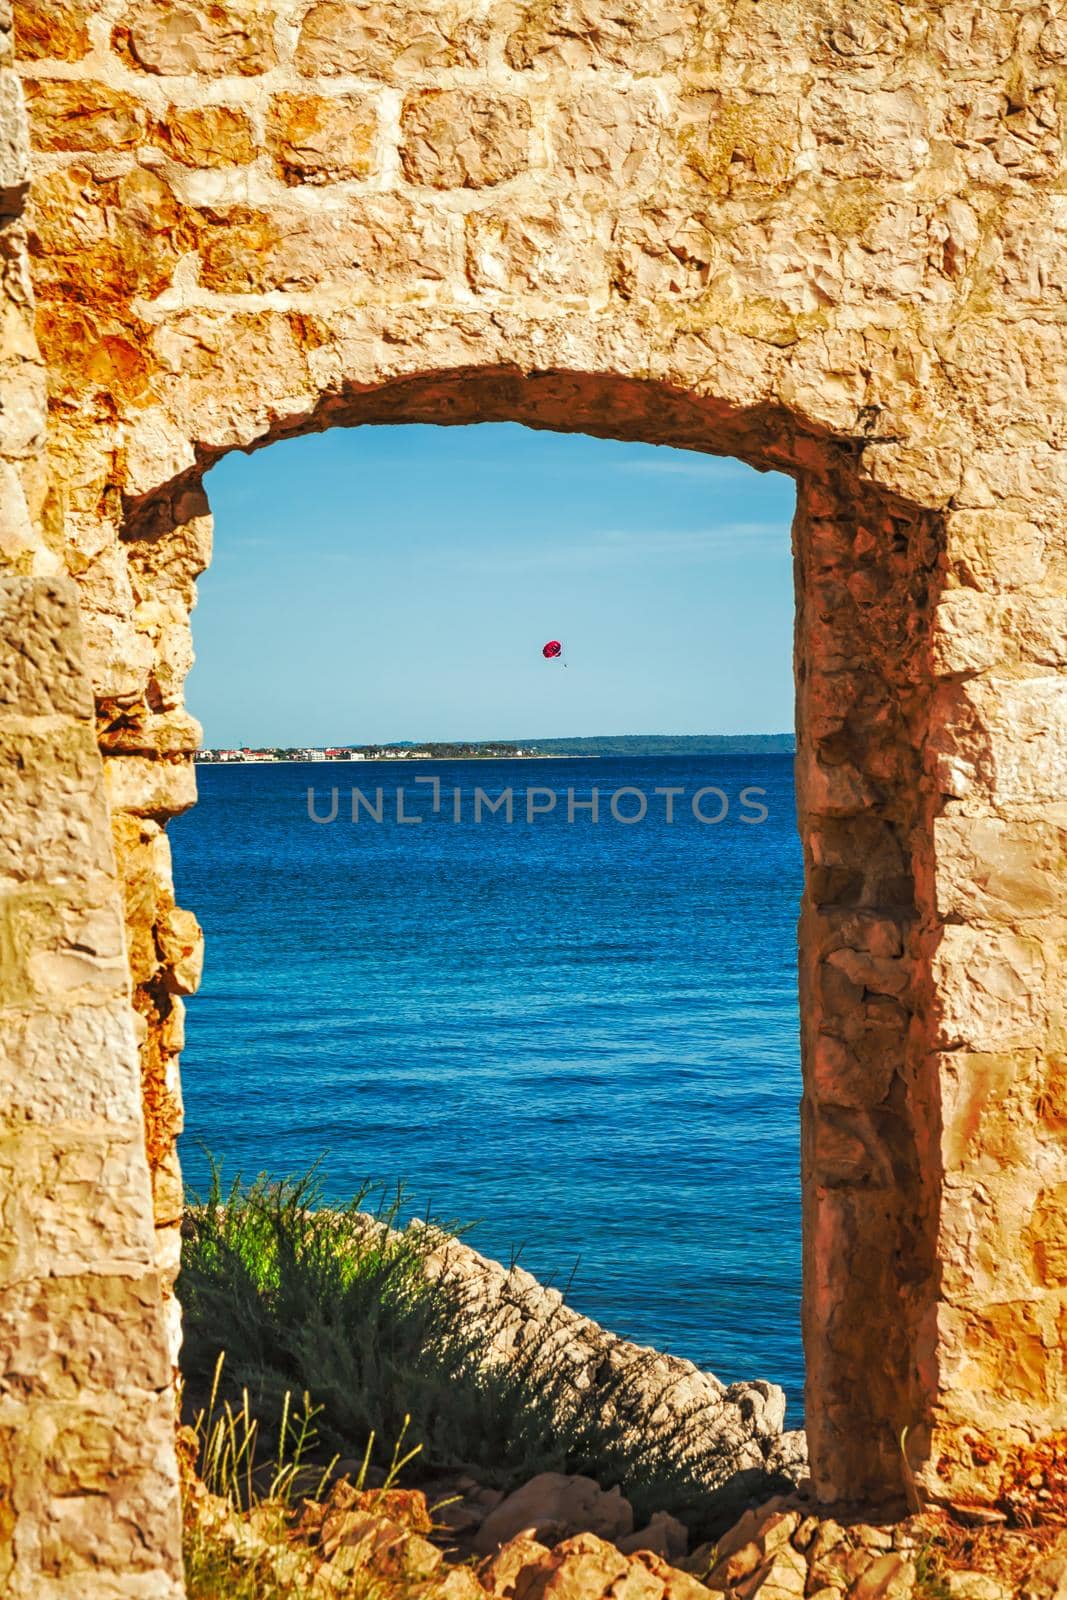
398,583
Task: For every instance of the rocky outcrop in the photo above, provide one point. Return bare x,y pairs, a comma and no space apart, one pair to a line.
735,1431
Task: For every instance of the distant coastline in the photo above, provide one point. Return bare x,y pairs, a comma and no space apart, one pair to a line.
634,744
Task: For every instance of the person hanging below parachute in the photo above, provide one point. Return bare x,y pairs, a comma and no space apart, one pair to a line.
553,651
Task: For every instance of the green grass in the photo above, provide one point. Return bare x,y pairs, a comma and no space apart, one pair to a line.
304,1299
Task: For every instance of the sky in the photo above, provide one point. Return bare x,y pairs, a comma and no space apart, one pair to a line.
398,583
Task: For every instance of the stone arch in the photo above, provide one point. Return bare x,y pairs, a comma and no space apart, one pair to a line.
805,236
868,576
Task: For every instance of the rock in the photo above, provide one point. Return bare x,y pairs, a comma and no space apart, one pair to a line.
358,1539
1048,1580
677,1585
585,1567
459,1583
664,1535
783,1577
555,1506
500,1572
889,1577
975,1586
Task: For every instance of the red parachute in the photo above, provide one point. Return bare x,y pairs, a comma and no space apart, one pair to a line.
553,650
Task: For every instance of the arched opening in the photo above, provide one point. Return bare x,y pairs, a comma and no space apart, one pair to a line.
581,1030
865,563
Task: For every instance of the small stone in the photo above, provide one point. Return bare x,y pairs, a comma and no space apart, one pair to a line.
889,1577
500,1572
975,1586
554,1505
664,1535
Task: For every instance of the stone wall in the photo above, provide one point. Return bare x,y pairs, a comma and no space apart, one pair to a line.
88,1487
826,237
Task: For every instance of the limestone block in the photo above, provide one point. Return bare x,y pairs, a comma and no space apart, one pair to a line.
181,945
41,672
64,1336
81,116
102,1482
148,788
548,250
52,30
882,133
740,145
53,823
1005,738
637,35
14,145
206,136
168,1194
58,949
389,39
78,1064
74,1201
248,251
175,40
990,985
995,871
457,139
600,137
322,138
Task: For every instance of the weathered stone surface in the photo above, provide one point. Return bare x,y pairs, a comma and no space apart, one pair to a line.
88,1482
322,138
213,40
829,240
14,146
80,116
452,139
207,136
388,39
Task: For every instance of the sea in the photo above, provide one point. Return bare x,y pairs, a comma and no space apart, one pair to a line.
577,1033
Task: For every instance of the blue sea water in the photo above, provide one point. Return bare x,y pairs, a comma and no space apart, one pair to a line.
583,1036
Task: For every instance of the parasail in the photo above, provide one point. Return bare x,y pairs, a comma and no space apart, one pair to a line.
552,650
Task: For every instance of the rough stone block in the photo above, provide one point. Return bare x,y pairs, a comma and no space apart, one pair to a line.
84,116
990,986
389,39
14,145
73,1201
41,665
234,38
74,1065
148,788
53,820
206,136
322,138
356,244
52,30
548,250
64,1336
989,870
639,36
59,950
459,139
